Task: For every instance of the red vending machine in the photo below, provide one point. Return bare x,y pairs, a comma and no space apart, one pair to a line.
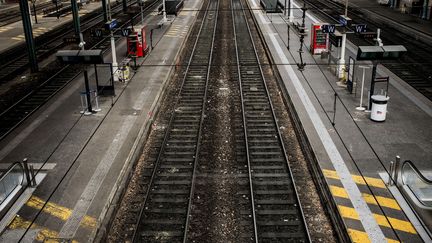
319,40
137,42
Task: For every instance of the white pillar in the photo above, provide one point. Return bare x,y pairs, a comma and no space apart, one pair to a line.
341,67
291,18
114,57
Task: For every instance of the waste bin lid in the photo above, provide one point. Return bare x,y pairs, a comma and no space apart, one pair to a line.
380,98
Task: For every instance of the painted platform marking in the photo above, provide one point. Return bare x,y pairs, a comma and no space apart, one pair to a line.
375,182
370,199
44,234
59,212
361,237
397,224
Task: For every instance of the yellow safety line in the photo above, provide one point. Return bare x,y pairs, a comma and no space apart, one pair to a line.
378,200
397,224
362,237
58,211
44,234
357,179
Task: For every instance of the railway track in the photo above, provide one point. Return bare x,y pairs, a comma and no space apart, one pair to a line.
276,209
415,67
14,15
164,215
23,108
15,60
272,210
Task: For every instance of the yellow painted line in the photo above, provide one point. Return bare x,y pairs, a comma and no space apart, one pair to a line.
58,211
397,224
378,200
44,234
362,237
375,182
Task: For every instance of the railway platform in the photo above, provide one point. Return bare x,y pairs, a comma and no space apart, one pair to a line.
84,160
12,35
406,23
352,152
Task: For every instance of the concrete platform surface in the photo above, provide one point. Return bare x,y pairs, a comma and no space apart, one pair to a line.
88,156
350,149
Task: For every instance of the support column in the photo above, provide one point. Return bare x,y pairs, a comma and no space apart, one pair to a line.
28,33
76,20
104,9
124,6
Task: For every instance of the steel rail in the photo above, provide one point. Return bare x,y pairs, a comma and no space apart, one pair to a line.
192,190
245,128
167,132
279,136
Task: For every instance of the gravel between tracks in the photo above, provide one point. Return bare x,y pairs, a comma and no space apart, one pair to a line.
216,208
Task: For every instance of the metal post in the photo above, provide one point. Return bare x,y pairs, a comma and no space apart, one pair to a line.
33,176
397,168
391,174
164,12
57,12
26,171
28,33
290,12
113,50
76,23
372,86
34,10
341,67
124,6
142,11
288,36
87,88
334,109
104,9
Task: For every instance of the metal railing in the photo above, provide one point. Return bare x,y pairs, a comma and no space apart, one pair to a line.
419,185
416,189
13,182
11,179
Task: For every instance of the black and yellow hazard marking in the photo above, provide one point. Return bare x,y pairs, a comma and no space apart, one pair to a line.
348,212
54,210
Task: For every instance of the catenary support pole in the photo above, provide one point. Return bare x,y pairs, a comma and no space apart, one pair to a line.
28,33
76,23
104,9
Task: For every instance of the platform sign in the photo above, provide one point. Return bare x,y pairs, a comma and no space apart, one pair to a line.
126,32
110,25
360,28
319,39
97,32
328,28
344,21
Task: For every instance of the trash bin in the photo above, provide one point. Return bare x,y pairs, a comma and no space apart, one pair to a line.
379,107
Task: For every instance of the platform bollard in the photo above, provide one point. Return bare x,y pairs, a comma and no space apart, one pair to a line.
396,169
391,174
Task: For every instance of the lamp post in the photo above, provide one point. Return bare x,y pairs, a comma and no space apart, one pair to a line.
341,67
113,47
